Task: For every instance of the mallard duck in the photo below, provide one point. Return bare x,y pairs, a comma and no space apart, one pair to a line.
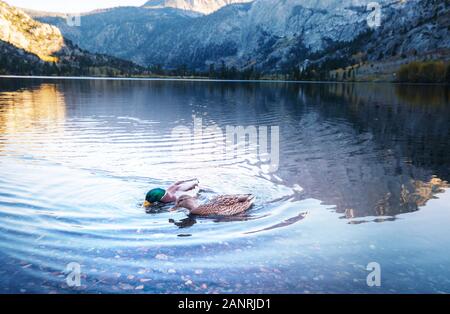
171,193
223,205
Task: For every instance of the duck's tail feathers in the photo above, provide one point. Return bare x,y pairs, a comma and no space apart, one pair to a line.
247,198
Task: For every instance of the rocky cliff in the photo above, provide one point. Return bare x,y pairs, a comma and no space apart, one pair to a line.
21,31
29,47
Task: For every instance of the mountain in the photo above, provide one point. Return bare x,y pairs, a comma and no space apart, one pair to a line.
276,36
264,34
414,30
237,34
317,39
22,31
31,47
124,32
201,6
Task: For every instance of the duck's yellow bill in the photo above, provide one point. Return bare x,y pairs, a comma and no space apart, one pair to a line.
147,204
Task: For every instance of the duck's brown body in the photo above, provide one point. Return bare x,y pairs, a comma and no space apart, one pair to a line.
224,205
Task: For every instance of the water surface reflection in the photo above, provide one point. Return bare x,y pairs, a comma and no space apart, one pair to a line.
77,156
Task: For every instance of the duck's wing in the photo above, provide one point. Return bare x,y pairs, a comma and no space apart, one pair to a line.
224,201
193,192
225,205
227,200
190,188
188,185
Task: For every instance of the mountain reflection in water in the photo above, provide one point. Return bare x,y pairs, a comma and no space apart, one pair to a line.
368,149
383,149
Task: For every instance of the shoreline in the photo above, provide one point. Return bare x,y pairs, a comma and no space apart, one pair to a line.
181,79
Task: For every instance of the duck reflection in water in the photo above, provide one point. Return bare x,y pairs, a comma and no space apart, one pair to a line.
192,219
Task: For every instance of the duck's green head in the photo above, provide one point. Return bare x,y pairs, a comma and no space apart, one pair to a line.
153,196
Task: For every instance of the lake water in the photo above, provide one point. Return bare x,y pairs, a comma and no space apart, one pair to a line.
354,174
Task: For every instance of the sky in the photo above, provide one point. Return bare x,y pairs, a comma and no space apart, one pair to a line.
72,6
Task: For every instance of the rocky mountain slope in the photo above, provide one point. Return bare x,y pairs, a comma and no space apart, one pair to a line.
409,31
238,34
297,38
124,32
31,47
273,36
22,31
264,34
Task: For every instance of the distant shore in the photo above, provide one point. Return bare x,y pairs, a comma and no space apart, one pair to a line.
204,79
